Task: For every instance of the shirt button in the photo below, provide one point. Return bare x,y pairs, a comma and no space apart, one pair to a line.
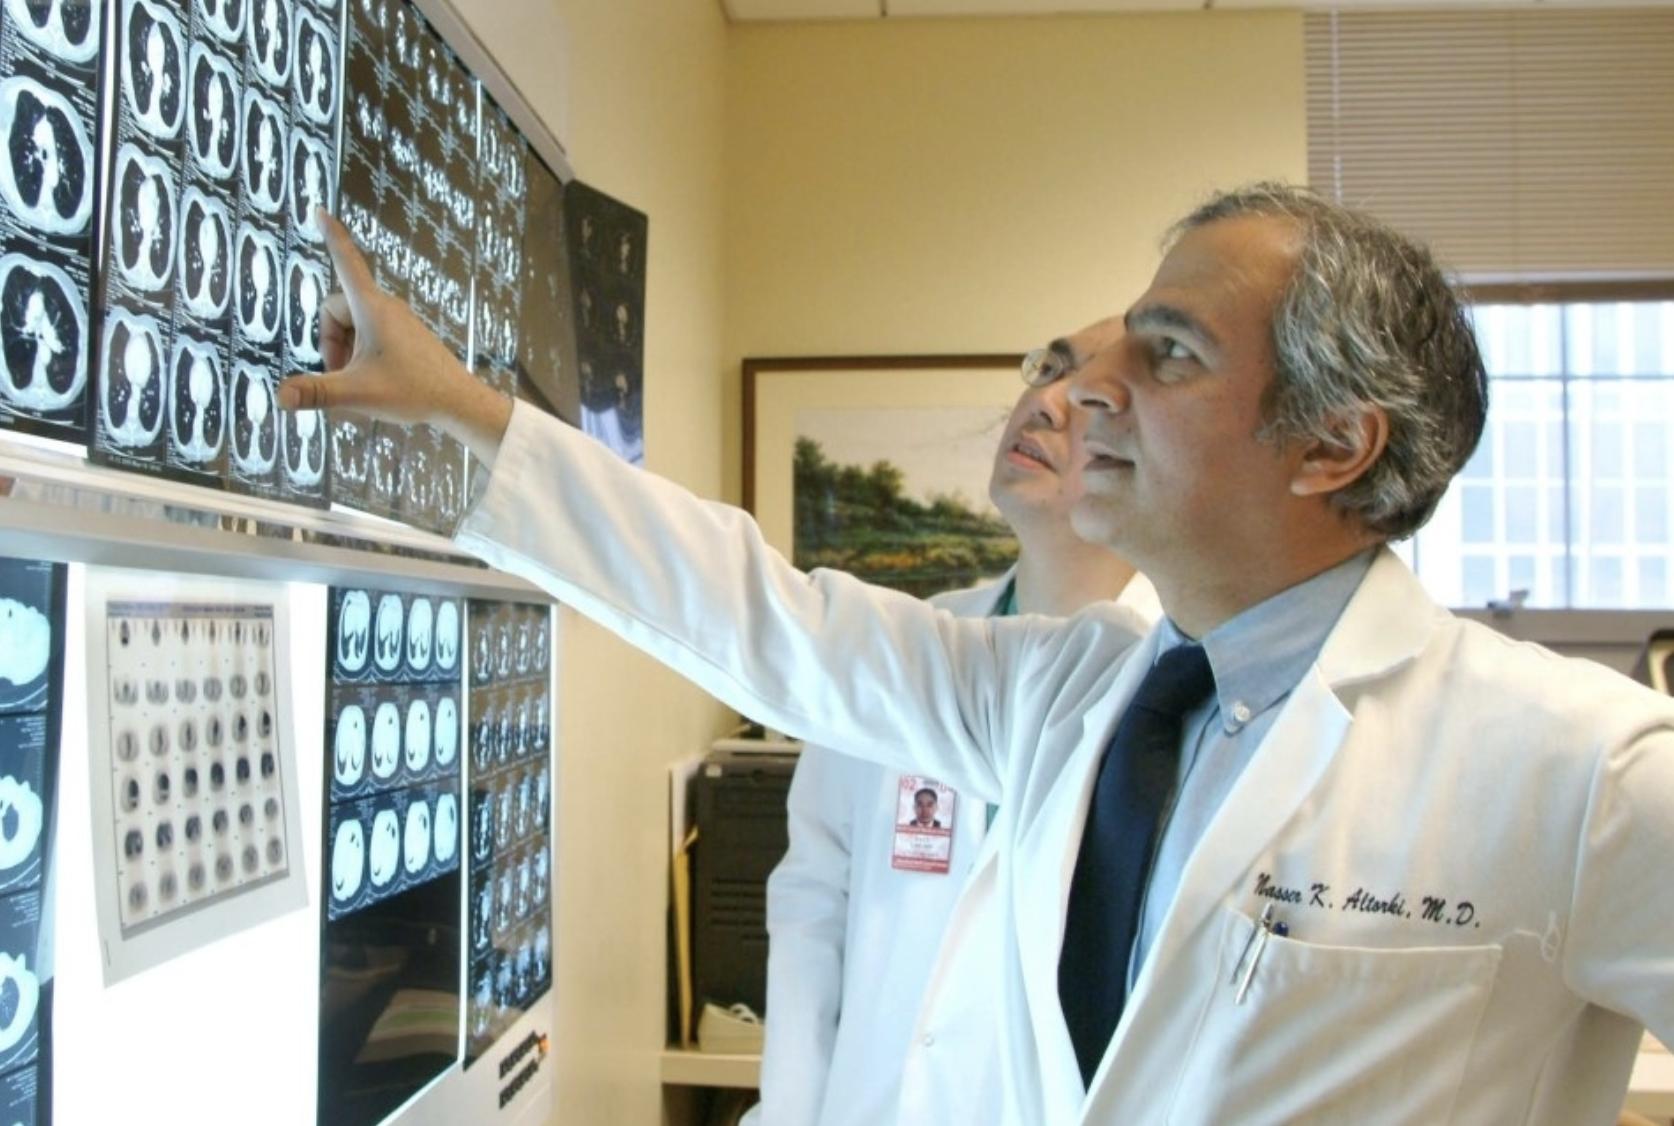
1240,714
928,1039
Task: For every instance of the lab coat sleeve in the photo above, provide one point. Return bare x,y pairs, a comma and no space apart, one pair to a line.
819,655
1621,946
807,923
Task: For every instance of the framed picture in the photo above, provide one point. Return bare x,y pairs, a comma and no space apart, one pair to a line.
879,465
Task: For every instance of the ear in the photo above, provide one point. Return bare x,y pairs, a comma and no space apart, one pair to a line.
1357,442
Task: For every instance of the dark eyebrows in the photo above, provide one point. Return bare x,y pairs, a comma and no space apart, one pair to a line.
1061,348
1152,318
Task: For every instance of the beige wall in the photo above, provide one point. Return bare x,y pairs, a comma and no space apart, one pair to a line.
910,186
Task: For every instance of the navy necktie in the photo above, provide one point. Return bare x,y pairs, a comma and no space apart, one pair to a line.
1135,780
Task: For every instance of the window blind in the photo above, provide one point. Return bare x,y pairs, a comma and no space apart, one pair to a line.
1525,145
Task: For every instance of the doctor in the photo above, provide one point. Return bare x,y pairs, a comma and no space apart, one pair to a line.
878,858
1411,871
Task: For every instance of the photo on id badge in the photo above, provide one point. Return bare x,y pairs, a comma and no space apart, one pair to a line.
924,812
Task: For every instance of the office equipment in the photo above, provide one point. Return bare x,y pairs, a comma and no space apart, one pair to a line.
740,814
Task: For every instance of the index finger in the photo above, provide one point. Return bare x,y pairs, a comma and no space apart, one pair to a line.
352,271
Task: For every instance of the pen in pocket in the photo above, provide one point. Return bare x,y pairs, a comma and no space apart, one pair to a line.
1250,957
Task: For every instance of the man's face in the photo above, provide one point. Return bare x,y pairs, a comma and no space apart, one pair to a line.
1037,470
1176,479
924,806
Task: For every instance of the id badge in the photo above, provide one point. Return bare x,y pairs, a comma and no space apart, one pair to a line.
924,813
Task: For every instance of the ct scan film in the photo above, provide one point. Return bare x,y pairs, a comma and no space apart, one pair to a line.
31,692
161,268
222,144
509,916
49,114
525,326
409,196
607,245
390,1010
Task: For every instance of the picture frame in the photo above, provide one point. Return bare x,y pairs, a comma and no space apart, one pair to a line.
901,454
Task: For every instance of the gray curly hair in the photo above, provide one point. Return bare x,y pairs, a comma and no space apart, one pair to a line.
1368,319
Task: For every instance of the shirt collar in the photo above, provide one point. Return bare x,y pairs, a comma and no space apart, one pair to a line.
1258,656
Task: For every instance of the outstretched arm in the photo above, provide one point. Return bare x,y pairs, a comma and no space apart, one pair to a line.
381,359
689,581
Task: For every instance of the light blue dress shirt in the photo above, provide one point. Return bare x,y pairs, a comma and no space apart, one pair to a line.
1257,658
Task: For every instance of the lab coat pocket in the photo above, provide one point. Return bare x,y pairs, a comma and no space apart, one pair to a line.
1301,1033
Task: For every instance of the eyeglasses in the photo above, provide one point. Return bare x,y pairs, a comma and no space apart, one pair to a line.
1045,365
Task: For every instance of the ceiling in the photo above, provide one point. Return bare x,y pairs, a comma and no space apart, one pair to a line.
744,11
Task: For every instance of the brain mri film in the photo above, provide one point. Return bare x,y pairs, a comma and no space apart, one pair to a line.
262,155
205,254
43,330
269,40
153,61
131,409
198,408
255,430
214,112
316,69
47,177
258,284
66,29
144,238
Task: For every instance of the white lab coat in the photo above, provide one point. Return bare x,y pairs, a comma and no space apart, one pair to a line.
1524,801
853,939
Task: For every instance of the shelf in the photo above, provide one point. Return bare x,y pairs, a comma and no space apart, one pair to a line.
59,508
683,1068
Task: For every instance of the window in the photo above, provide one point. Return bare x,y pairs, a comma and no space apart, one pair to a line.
1532,148
1570,496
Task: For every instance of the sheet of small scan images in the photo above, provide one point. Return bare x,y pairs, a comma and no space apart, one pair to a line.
31,689
390,1008
195,814
222,143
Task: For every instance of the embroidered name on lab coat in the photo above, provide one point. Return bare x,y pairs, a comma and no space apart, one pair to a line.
1435,910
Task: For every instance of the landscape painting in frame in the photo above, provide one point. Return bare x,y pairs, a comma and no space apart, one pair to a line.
879,465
